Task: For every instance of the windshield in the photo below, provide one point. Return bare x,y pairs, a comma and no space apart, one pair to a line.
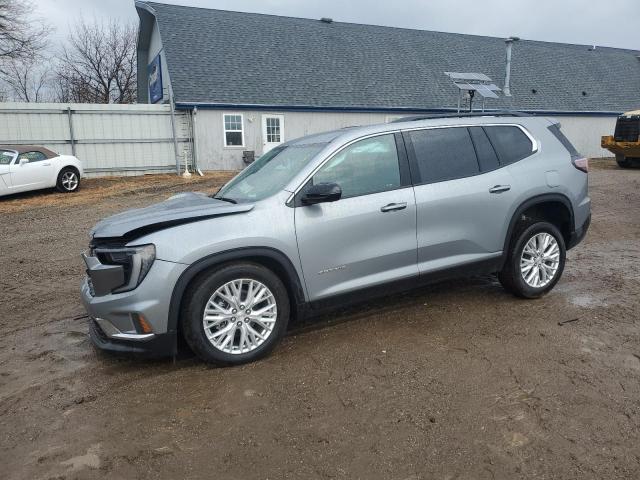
6,156
270,173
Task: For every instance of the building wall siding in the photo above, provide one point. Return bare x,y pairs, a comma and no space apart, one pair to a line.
213,155
583,131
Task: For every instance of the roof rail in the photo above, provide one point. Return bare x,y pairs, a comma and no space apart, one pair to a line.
498,113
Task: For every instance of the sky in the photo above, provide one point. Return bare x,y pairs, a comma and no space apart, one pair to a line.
614,23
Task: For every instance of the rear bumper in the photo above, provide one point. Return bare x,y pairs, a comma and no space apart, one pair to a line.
579,234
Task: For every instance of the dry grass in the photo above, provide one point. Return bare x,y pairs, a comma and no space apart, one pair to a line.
93,189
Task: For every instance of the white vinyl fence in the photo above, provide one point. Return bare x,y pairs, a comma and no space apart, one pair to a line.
108,139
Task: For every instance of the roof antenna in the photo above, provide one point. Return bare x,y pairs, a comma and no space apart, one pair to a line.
326,20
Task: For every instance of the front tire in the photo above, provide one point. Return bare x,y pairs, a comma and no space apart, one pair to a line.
535,261
235,314
68,180
623,162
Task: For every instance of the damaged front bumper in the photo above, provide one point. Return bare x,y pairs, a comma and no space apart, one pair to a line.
134,321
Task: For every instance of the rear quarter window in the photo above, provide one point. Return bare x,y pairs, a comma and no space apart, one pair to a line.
555,129
510,143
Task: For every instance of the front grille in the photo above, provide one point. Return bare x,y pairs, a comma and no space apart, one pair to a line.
92,291
627,129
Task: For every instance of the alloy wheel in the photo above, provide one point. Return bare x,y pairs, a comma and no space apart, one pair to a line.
540,260
69,181
240,316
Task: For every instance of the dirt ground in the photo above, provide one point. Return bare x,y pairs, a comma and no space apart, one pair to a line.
456,381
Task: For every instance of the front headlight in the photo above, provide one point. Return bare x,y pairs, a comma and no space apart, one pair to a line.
136,262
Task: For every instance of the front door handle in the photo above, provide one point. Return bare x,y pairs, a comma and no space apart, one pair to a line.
500,188
394,206
46,164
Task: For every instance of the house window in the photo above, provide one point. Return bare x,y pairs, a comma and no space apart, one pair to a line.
233,130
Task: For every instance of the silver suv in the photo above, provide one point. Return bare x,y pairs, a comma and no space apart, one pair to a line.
336,217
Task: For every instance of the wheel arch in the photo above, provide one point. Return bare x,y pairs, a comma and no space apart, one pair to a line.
68,165
539,200
268,257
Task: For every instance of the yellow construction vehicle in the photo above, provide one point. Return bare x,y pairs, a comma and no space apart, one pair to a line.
625,142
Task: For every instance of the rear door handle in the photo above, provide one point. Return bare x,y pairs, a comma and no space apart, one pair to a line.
46,164
500,188
394,206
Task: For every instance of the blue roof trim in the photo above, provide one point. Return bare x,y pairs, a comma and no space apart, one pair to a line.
311,108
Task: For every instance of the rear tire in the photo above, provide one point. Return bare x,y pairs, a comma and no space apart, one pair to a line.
68,180
535,260
623,162
221,319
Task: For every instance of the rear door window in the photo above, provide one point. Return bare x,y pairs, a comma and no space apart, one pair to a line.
444,154
487,157
510,143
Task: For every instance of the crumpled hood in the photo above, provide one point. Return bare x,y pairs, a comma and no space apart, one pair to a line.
176,210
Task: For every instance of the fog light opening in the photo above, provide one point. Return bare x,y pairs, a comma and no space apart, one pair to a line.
141,323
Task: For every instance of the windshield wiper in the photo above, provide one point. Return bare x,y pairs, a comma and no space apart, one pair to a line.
226,199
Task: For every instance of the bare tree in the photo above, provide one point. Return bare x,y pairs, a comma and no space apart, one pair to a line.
23,38
99,64
20,35
28,79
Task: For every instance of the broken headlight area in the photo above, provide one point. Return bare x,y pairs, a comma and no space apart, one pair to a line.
135,262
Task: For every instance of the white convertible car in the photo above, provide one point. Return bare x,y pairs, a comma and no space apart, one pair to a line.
27,167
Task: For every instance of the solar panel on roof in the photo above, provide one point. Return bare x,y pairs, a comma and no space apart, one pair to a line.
471,83
479,77
484,91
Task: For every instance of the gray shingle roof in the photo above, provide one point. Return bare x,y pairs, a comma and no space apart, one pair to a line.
223,57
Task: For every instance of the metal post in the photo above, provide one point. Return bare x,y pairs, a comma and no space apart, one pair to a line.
71,136
194,138
507,75
173,130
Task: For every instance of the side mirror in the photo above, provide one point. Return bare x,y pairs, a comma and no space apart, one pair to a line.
22,161
321,193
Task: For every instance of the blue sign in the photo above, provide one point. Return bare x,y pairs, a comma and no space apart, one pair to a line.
155,80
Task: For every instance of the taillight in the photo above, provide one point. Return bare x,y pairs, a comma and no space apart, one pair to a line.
581,164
